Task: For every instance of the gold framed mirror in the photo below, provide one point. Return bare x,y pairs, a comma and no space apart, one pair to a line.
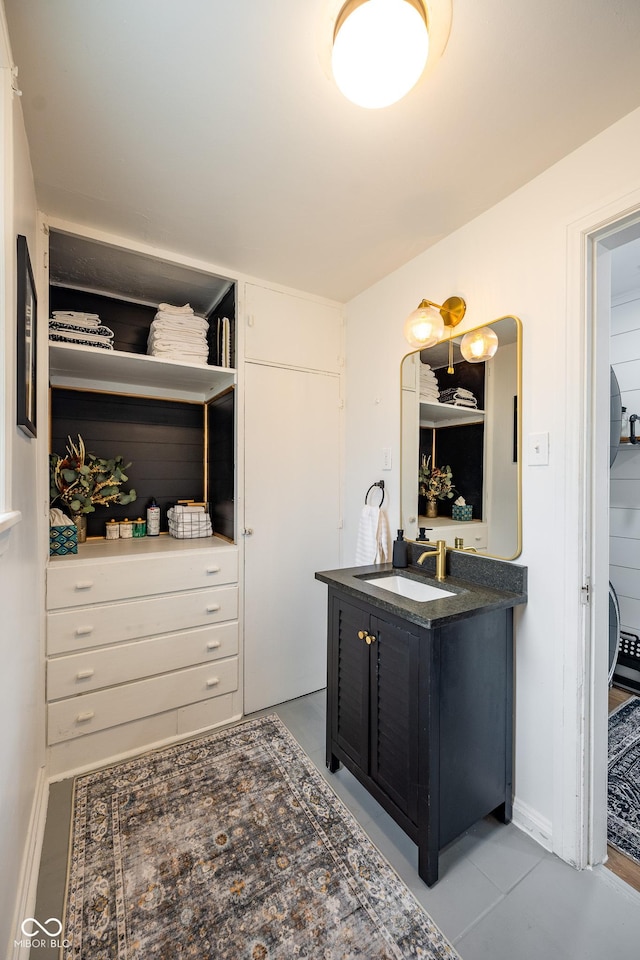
465,416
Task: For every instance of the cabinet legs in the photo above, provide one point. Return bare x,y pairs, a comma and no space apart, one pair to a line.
427,865
504,812
333,763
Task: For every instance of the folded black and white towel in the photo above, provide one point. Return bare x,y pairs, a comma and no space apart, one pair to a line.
60,326
458,396
79,340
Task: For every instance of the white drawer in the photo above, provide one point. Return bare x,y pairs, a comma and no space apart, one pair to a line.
77,716
94,626
80,582
82,672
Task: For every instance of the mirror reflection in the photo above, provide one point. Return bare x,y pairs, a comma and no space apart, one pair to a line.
461,457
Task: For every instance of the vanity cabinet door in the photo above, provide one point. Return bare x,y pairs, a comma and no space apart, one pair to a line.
373,713
349,682
393,749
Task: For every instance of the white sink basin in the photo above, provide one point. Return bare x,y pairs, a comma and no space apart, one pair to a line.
412,589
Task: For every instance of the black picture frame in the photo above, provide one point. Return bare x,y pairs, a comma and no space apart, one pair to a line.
27,329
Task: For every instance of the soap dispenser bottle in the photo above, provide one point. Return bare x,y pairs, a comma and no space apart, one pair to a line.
400,551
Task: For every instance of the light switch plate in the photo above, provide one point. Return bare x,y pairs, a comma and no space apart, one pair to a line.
538,450
386,458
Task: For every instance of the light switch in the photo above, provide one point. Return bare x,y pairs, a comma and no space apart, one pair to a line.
538,450
386,458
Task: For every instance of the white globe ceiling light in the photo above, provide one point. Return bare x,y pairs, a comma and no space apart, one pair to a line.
380,50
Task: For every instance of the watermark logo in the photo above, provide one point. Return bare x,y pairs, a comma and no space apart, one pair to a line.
36,934
54,930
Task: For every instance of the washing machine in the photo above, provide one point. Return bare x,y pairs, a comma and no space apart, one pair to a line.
614,631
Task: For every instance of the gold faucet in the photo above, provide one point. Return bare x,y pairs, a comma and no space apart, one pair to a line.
459,545
440,553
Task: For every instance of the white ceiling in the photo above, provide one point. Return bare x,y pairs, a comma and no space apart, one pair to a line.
212,127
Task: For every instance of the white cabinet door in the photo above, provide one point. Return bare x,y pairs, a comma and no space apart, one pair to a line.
287,330
292,484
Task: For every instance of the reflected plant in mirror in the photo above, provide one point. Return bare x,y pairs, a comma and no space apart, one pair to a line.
464,415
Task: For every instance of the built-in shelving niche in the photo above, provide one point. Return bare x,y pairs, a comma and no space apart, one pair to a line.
178,449
174,421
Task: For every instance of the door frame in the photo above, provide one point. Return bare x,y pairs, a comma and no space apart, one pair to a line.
580,758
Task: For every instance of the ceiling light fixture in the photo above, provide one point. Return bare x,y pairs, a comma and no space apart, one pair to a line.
479,345
380,50
425,326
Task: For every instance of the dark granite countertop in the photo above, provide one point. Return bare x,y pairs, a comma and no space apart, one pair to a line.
479,584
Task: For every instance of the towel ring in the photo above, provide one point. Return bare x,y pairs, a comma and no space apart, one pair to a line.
379,483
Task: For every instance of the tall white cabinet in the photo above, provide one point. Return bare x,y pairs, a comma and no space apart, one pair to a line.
153,640
292,457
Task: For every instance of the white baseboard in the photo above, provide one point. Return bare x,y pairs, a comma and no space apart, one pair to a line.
529,821
18,948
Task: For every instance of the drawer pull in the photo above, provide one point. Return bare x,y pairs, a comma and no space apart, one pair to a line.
84,631
213,608
84,584
213,569
214,682
84,674
84,717
213,644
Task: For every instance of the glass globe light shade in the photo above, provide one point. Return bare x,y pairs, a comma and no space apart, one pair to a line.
379,52
479,345
424,327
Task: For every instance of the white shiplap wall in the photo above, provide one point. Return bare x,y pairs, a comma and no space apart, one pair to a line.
624,517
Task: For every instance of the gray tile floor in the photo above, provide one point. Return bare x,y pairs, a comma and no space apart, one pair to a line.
500,895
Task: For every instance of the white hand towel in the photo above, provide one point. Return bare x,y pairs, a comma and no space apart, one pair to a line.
367,542
383,539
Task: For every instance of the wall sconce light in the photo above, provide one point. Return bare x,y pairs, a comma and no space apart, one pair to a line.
425,326
380,50
479,345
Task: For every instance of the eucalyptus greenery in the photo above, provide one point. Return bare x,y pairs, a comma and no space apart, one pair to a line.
82,480
435,483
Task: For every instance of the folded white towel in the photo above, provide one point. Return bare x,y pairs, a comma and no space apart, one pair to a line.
163,322
171,308
74,316
188,344
175,346
177,356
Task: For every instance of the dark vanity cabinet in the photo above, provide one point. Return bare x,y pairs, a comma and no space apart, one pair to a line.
422,717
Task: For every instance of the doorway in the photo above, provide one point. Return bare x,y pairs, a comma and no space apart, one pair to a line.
612,540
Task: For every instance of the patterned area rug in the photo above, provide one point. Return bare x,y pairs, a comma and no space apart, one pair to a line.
229,847
623,829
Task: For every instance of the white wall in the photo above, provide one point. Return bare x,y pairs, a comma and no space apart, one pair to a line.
21,575
624,517
517,258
